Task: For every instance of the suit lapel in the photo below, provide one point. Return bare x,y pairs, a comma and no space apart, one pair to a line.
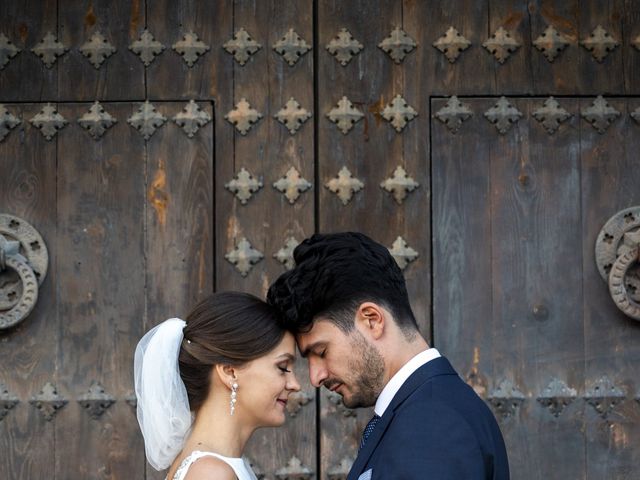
438,366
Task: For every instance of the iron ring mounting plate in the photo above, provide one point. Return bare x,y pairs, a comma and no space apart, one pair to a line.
32,247
29,296
617,283
610,245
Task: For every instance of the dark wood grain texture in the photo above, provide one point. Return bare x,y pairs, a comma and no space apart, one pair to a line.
121,76
609,184
100,258
179,222
25,77
267,151
29,351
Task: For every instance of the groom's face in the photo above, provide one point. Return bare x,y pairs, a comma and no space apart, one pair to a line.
345,363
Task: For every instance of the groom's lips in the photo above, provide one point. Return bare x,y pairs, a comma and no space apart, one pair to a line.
335,387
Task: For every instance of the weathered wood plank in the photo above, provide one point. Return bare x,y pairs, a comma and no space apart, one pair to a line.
25,77
169,77
558,76
268,151
179,222
537,296
612,341
473,70
100,259
462,290
593,77
29,351
121,76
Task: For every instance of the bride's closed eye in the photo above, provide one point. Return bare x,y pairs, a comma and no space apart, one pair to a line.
284,369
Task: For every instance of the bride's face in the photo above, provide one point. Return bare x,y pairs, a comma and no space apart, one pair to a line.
265,383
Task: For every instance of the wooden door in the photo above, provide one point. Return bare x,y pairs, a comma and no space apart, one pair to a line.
495,231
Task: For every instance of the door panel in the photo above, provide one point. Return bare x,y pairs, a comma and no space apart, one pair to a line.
515,223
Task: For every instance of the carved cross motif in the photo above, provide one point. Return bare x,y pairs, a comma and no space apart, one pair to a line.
243,116
551,114
452,44
296,401
96,401
244,185
501,45
97,49
551,43
191,48
503,115
49,49
294,470
398,44
345,115
291,47
399,113
344,185
285,254
453,114
600,43
96,121
146,120
600,114
49,121
292,115
604,396
7,122
556,396
635,115
341,471
7,401
402,253
242,46
7,50
292,185
506,399
191,118
244,257
48,401
399,184
147,48
344,47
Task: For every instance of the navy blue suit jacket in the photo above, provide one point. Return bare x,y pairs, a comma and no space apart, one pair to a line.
436,428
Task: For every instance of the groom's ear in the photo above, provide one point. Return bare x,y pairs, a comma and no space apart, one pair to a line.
371,318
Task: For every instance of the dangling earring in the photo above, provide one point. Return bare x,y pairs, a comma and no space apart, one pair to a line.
234,397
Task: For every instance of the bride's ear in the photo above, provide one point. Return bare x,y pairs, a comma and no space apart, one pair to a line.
226,373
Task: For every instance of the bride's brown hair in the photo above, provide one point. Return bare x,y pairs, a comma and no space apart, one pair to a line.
227,328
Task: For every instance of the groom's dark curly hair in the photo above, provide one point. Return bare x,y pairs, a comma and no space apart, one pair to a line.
334,274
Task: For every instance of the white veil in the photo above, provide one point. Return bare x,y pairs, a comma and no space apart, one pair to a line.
162,402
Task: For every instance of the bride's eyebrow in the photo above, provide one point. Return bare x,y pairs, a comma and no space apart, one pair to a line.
286,356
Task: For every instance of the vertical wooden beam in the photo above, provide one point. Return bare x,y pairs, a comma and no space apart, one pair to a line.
30,350
100,259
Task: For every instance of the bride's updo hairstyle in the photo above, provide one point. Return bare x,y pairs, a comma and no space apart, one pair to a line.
227,328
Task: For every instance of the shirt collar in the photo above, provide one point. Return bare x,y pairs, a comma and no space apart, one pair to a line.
392,387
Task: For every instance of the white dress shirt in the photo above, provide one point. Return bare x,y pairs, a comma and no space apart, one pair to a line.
391,388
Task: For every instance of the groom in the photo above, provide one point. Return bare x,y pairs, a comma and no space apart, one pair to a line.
347,303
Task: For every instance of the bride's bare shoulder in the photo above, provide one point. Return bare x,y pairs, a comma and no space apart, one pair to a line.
207,468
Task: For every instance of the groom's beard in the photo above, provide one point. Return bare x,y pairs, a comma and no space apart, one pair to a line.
367,368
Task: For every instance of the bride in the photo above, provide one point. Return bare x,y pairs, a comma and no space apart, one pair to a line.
205,385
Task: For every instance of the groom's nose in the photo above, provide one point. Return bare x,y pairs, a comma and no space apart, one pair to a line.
317,372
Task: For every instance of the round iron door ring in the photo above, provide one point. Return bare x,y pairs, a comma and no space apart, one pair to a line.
29,297
32,247
616,251
618,287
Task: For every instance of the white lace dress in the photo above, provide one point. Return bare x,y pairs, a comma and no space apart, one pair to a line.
239,465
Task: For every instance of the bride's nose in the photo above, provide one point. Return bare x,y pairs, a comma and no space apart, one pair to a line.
293,384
